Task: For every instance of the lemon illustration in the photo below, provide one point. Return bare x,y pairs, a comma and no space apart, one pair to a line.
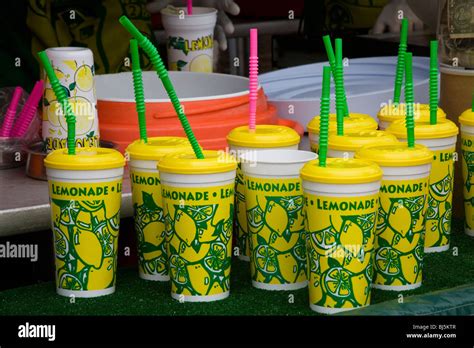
432,213
91,206
366,222
152,233
361,289
409,265
185,227
241,214
351,235
69,282
337,283
49,95
415,204
404,245
201,63
282,245
84,112
276,217
399,218
440,190
199,278
387,261
154,266
255,219
357,265
266,260
324,240
113,225
54,113
178,270
313,261
103,277
88,247
214,262
288,267
446,222
61,244
317,294
71,64
201,213
84,78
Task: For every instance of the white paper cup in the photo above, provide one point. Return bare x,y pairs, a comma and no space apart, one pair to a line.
274,200
190,39
74,67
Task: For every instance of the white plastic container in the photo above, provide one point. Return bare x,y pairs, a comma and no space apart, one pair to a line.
190,38
74,67
274,198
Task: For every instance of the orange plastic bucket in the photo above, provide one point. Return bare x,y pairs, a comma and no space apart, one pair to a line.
214,104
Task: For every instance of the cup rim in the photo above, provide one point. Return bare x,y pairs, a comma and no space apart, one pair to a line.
207,11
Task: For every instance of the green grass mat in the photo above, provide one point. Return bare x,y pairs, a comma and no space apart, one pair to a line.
139,297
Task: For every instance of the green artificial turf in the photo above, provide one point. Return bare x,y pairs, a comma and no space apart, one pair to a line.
135,296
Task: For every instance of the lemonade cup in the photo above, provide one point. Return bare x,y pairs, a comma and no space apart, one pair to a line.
198,202
274,199
400,223
241,140
389,113
467,147
353,122
85,196
345,146
341,201
440,138
148,213
190,38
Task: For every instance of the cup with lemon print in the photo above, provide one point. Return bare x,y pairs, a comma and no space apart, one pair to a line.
275,217
74,67
85,196
198,204
190,38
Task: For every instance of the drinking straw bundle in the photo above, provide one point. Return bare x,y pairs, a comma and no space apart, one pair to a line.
62,99
29,111
160,69
10,113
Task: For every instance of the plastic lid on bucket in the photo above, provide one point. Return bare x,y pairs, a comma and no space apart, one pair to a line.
187,163
424,130
264,136
342,171
467,118
391,112
352,122
396,155
353,140
158,147
86,158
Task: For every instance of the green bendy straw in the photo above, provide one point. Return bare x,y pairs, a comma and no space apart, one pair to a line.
409,100
160,69
138,89
339,89
402,48
332,63
433,82
324,116
62,99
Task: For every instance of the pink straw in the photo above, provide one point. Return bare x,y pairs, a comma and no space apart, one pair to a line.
11,113
29,110
190,7
253,78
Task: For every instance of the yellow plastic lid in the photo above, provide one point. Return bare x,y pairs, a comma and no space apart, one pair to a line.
424,130
467,118
391,112
341,171
187,163
264,136
396,155
353,141
86,158
352,122
158,147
